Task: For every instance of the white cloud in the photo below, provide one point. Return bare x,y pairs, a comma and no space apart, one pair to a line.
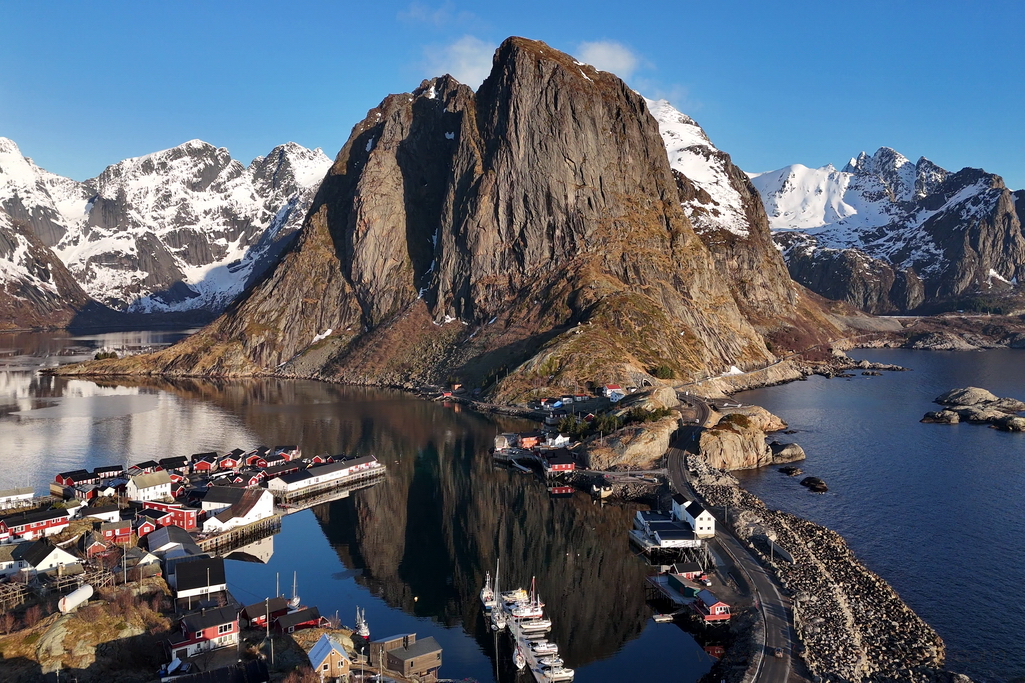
467,59
610,56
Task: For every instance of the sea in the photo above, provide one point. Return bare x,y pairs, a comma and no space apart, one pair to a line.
936,510
412,551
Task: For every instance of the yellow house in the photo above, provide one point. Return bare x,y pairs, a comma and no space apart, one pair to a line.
329,660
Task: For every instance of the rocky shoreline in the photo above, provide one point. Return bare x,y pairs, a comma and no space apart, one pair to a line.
852,624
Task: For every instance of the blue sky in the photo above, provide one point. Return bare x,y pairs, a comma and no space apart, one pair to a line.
83,85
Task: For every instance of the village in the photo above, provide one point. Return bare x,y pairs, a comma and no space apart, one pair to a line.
159,530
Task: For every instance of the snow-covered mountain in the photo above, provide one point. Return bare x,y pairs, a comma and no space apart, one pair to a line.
889,235
718,204
180,230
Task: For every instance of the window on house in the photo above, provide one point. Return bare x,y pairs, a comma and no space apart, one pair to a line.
199,634
326,667
224,628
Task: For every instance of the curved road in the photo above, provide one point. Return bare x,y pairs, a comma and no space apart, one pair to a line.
777,615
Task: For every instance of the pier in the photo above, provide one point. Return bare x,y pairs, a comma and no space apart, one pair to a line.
233,539
359,479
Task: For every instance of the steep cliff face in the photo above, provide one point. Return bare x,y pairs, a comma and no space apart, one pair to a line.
36,290
889,235
737,442
533,230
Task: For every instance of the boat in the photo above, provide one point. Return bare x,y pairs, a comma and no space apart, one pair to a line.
551,660
498,619
294,603
543,647
487,594
519,659
557,673
527,611
518,595
528,625
362,629
662,618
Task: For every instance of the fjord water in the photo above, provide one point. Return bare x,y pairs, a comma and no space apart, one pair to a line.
936,510
411,550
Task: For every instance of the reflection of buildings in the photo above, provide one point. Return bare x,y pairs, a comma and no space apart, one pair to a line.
257,551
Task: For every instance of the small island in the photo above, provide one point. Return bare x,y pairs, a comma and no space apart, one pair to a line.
979,406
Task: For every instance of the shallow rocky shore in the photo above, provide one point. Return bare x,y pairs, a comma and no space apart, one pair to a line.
972,404
852,624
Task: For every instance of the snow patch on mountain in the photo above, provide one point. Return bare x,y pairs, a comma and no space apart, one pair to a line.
181,229
693,154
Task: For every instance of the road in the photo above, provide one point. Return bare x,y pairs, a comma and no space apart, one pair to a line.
776,612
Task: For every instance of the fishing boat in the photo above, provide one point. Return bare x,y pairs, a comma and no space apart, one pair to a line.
362,629
487,593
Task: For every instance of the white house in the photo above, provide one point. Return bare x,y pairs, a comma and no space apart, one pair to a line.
35,558
12,498
322,474
614,392
220,498
254,505
155,486
700,519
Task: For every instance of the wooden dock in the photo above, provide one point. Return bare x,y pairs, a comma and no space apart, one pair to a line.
240,536
356,480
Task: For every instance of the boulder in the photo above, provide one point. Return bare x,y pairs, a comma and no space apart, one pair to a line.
947,417
791,470
786,452
815,484
968,396
1010,423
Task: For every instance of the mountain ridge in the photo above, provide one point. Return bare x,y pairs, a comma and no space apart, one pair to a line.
530,234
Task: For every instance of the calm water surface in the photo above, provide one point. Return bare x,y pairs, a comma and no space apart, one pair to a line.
937,510
411,550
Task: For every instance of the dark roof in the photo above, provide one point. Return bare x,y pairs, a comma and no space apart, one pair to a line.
228,495
677,498
676,534
34,516
686,567
694,508
71,473
418,649
260,608
708,597
261,450
209,617
193,574
278,449
36,553
253,671
249,499
109,468
320,470
153,514
170,534
560,456
203,456
146,464
236,453
273,471
295,618
176,461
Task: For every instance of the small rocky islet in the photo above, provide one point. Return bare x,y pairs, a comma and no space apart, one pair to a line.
978,406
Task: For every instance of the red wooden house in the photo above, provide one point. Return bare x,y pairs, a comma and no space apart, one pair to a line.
529,440
324,459
307,617
257,613
181,516
207,630
289,453
117,532
76,477
231,461
205,464
559,460
711,608
29,526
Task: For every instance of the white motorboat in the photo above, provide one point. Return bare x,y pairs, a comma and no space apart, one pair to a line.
531,625
551,660
543,647
558,673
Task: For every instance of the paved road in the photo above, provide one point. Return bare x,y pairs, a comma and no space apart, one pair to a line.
776,612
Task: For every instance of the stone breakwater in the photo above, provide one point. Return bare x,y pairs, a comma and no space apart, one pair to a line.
852,624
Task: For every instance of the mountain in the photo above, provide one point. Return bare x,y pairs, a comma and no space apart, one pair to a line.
527,235
36,290
889,235
184,229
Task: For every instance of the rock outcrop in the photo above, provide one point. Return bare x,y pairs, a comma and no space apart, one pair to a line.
979,406
637,446
737,442
525,236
